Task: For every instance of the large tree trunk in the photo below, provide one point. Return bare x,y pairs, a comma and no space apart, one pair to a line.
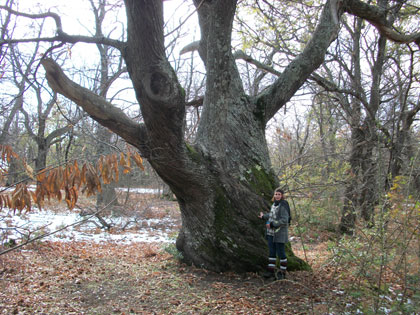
223,179
362,189
108,196
361,194
41,157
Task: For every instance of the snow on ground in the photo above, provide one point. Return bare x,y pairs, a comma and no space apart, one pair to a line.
40,222
141,190
35,223
131,190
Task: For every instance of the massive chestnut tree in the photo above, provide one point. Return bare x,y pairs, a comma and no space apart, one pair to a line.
224,178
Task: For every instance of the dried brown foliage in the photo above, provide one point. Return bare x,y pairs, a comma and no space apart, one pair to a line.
64,182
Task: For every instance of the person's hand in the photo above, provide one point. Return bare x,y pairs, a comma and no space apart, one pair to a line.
261,215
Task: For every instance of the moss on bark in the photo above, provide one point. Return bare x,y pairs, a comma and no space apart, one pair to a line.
195,156
294,262
262,182
246,258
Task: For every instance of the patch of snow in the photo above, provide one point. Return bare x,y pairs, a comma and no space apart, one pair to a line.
386,297
132,190
141,190
38,222
384,310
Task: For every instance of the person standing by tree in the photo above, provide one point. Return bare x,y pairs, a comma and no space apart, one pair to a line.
277,224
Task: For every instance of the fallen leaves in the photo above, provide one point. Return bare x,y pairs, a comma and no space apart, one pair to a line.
135,279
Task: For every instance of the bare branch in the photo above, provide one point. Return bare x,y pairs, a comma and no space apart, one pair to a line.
53,15
300,68
239,54
61,35
331,87
195,103
378,17
190,47
97,107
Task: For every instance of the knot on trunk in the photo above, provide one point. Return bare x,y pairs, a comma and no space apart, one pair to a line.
160,86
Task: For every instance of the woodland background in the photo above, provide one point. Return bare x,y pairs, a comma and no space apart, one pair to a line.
349,139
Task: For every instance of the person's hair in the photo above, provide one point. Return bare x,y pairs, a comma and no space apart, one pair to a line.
280,191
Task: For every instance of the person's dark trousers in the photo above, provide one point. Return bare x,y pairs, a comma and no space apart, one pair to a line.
277,250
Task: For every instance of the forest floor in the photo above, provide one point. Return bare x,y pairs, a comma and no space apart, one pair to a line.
84,277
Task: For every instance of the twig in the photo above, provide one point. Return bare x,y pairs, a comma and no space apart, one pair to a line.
186,19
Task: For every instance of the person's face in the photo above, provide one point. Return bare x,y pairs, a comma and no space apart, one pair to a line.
278,195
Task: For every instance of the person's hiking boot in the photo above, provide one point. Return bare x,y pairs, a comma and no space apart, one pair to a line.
280,275
271,267
268,274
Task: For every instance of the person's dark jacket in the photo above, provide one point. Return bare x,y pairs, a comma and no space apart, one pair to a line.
279,218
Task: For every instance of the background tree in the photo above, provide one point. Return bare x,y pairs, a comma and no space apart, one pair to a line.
365,92
107,73
10,102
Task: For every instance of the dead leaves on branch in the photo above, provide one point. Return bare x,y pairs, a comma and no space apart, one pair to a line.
65,182
7,154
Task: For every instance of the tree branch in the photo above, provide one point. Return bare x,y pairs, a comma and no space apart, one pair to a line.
331,87
296,73
26,123
97,107
191,47
53,15
66,38
159,93
61,35
377,16
239,54
58,133
195,102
